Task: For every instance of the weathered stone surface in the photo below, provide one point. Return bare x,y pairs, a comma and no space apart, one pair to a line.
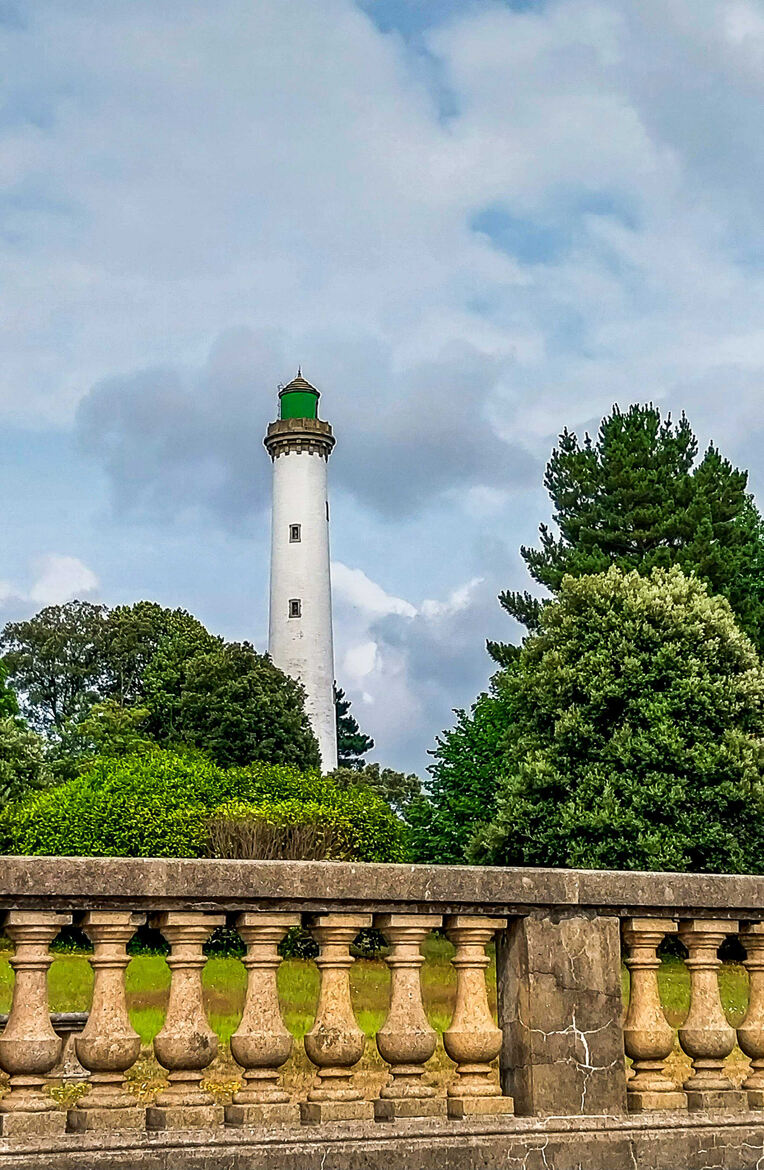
459,1107
560,1010
184,1116
320,1112
664,1142
109,1117
176,883
42,1123
263,1113
392,1108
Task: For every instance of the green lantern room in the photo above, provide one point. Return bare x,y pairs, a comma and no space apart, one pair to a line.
299,399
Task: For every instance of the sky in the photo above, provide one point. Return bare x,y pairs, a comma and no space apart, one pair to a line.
471,222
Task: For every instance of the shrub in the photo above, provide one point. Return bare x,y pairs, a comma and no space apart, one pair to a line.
159,804
289,830
638,733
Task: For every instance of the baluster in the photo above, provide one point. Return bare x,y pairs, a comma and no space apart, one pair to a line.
186,1044
29,1048
648,1037
750,1034
473,1040
261,1043
335,1042
406,1040
109,1044
706,1036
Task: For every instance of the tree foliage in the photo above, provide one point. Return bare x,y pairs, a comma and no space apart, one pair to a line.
352,744
638,712
398,789
465,775
636,498
159,804
236,706
56,662
23,767
95,680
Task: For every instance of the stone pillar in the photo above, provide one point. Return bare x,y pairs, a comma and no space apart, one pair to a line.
750,1034
335,1042
109,1044
560,1008
406,1040
648,1037
472,1039
186,1044
261,1043
29,1048
705,1035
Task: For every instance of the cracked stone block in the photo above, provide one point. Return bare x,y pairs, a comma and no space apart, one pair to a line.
560,1010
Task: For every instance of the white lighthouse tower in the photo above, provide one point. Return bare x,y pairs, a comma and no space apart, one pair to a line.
300,631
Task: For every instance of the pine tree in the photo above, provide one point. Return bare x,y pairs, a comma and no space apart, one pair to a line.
352,744
637,499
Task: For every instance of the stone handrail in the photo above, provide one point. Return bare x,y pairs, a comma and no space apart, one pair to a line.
561,1037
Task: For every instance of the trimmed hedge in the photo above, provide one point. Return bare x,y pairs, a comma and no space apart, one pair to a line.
159,804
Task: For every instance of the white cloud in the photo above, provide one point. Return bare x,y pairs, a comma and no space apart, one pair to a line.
61,578
458,600
354,588
56,578
359,660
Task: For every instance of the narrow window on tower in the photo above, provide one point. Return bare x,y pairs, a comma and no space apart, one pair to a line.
294,534
295,607
327,509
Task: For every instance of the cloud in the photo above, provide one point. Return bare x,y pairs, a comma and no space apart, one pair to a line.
173,439
472,223
409,664
56,579
354,588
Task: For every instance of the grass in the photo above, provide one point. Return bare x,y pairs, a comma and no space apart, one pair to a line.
70,983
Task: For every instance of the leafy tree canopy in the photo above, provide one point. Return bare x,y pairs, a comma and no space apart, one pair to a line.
23,766
399,789
9,704
638,736
636,497
465,775
352,744
106,681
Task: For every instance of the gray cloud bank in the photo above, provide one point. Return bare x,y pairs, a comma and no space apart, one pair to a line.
172,439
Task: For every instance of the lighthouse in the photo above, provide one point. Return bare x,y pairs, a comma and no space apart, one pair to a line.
300,628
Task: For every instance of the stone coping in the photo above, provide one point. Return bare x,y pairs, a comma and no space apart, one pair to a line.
78,883
646,1142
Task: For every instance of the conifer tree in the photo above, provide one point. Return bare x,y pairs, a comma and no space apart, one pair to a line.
636,498
352,744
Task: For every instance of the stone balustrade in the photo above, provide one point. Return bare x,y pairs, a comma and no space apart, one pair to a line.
566,1064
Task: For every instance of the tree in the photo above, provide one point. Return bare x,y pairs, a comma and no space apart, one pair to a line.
9,704
104,681
234,705
135,634
111,730
465,775
56,663
23,767
352,744
398,789
639,721
636,498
